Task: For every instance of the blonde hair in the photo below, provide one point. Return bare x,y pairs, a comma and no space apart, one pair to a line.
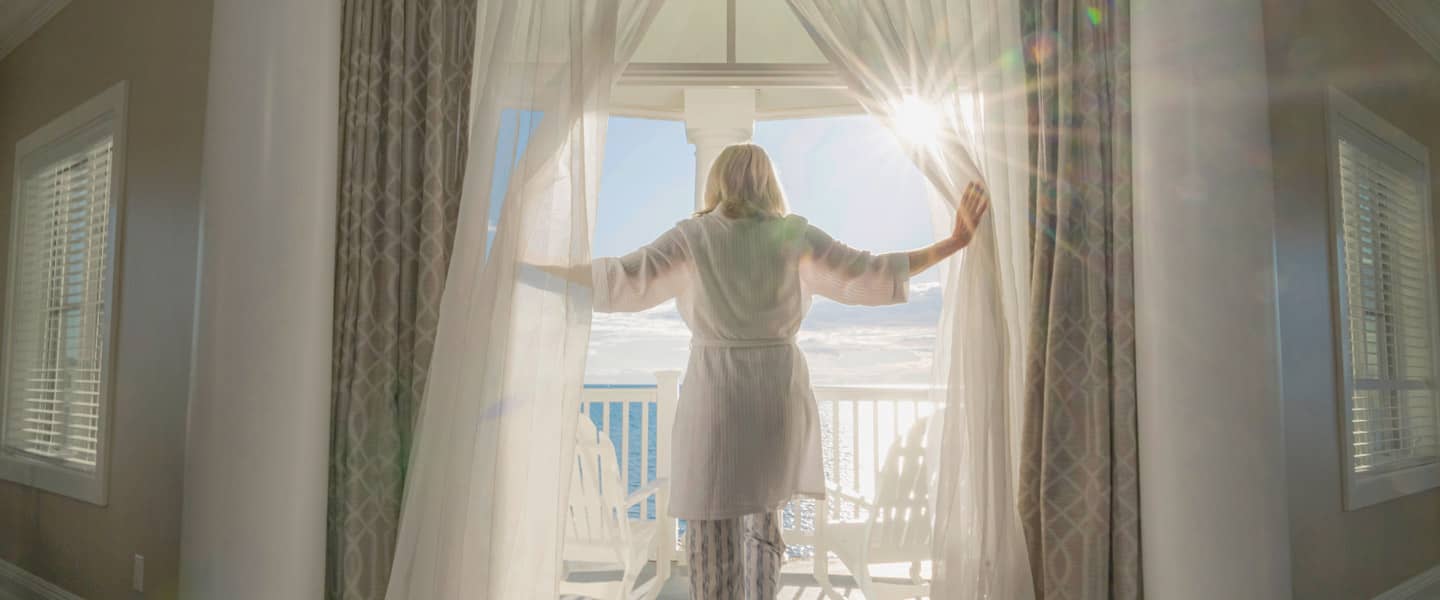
743,183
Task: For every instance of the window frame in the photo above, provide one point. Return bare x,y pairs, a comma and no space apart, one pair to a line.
18,467
1349,120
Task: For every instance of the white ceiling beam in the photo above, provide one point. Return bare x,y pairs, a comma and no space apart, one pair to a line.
730,32
731,75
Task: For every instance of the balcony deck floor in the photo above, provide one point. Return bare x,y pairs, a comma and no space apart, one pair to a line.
796,581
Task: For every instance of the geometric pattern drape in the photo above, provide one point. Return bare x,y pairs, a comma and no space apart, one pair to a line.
1079,481
404,95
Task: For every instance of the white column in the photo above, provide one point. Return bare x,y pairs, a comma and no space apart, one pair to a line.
716,118
258,434
1212,463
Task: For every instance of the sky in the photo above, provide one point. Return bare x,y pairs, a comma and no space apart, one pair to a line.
846,175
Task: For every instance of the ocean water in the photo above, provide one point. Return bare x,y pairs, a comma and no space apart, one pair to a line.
632,423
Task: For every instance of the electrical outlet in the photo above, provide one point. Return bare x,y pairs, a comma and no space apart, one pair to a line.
137,574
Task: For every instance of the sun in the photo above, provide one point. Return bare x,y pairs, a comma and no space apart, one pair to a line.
916,121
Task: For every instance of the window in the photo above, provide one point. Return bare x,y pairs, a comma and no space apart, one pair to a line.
60,300
1387,317
871,366
835,169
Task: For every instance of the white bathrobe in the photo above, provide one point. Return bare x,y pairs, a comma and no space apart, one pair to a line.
747,434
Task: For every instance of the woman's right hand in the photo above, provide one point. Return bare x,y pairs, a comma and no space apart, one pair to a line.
967,216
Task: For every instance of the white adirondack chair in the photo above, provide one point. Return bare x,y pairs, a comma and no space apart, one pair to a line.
599,535
894,527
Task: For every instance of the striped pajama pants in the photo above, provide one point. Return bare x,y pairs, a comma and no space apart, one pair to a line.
735,559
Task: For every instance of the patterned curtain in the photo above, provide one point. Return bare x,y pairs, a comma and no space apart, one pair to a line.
1079,488
404,81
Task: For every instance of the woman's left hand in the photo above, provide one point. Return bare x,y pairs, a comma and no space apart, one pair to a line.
967,216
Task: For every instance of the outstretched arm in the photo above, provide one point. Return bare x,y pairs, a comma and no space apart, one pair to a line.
578,274
643,278
634,282
967,218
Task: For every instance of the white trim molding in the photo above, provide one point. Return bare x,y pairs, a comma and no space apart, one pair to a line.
38,17
18,584
1419,18
1420,587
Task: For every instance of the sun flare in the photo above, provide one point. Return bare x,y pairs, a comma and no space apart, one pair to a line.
917,121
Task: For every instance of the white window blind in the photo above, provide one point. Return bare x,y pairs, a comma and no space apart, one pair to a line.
58,327
1386,318
1388,278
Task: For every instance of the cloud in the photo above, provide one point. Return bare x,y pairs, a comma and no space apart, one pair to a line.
659,323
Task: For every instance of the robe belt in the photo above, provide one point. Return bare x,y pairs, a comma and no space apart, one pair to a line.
698,342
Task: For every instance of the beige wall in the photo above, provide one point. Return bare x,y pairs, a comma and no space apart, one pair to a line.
161,47
1353,46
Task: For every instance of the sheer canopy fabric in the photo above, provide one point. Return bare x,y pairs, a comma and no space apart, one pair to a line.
489,473
958,62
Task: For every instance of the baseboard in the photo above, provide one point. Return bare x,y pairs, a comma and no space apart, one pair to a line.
1424,586
18,584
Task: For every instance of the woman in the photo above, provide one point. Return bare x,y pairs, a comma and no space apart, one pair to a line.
747,436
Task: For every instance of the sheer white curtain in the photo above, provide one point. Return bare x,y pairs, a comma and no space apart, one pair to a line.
489,472
952,69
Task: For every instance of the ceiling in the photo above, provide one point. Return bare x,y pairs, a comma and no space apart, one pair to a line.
1420,18
20,18
721,31
760,44
731,43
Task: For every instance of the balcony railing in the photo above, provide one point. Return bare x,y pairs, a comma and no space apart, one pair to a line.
858,425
